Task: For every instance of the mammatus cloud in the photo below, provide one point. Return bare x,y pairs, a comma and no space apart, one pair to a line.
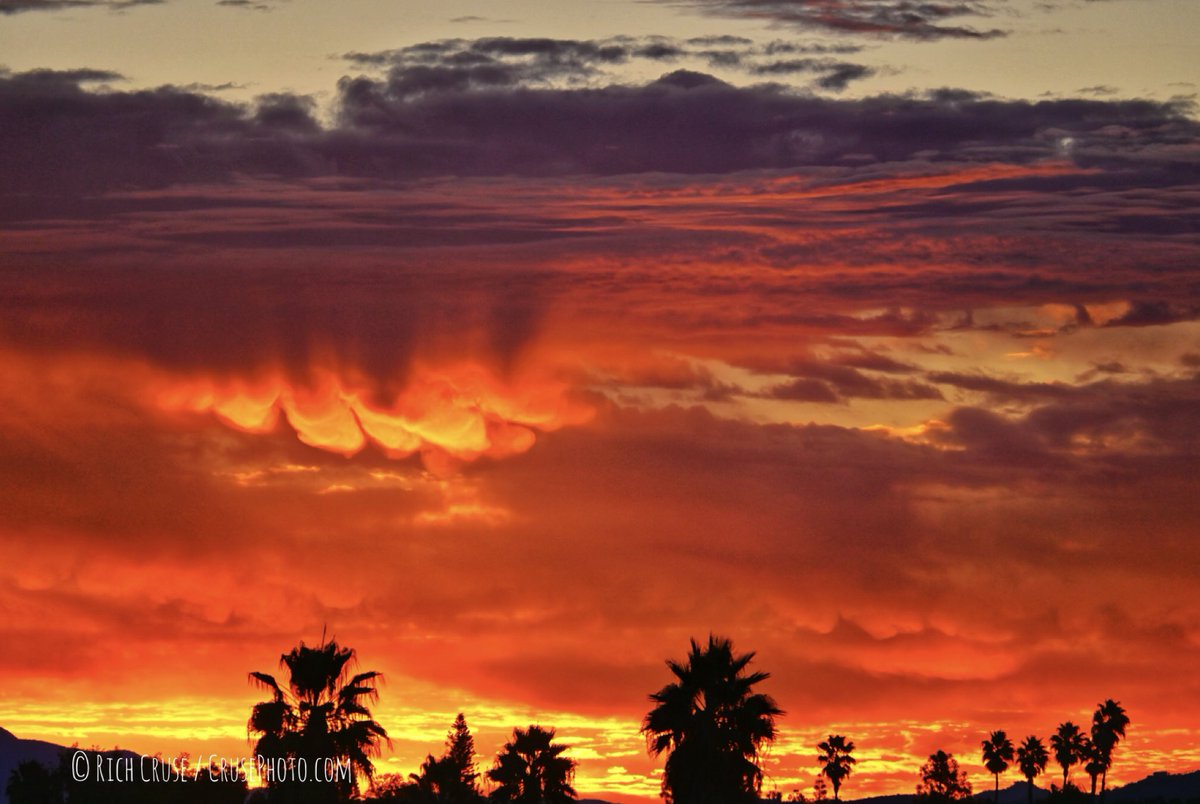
454,413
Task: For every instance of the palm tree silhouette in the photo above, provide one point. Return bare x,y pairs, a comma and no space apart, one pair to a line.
1031,759
434,777
835,760
997,753
1108,728
530,768
712,725
320,718
1094,762
1067,744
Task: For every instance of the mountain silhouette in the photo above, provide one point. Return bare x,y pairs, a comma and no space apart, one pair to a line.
1158,787
14,751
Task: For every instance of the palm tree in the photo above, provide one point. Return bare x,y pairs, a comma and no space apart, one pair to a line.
712,725
437,781
835,760
997,753
320,719
1108,728
1031,759
530,768
1095,763
941,779
1067,743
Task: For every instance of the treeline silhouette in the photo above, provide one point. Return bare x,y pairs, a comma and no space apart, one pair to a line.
316,738
152,781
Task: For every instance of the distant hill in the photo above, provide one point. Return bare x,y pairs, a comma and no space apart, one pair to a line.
1017,793
1161,786
14,751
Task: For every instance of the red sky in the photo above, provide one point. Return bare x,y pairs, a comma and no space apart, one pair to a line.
515,387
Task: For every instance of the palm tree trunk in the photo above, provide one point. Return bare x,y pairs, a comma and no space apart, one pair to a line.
1103,783
997,788
1030,781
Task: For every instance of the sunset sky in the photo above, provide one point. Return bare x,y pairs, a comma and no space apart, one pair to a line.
517,343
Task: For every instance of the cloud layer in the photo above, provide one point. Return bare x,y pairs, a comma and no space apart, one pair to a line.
922,21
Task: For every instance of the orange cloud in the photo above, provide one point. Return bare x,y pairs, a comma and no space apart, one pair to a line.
461,411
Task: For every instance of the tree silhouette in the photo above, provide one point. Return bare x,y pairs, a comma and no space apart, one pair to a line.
712,725
997,753
437,781
530,768
389,787
1108,728
1093,762
1031,759
33,783
460,751
941,779
319,719
1067,744
835,760
449,779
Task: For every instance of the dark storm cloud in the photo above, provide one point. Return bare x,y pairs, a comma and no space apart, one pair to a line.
456,64
836,75
20,6
459,64
248,5
1162,416
909,19
1164,412
1155,313
255,313
828,381
486,119
63,138
1004,390
692,123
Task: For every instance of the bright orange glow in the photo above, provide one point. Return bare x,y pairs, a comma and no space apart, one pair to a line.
463,411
